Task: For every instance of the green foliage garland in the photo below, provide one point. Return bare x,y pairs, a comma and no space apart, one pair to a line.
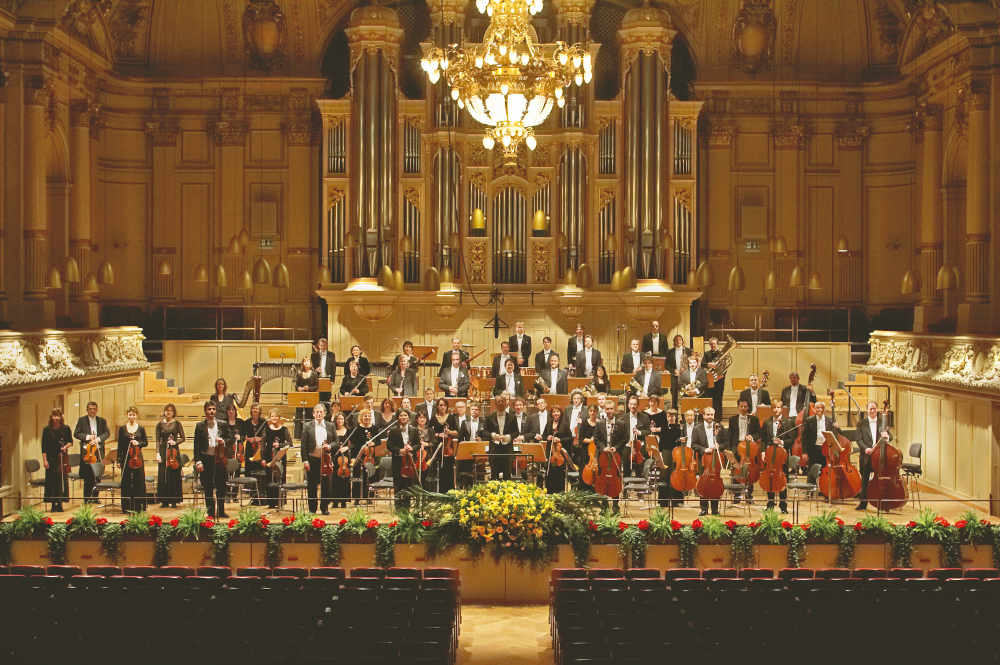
189,523
845,547
161,546
825,527
111,541
6,538
902,546
136,524
84,522
741,547
632,546
796,538
29,521
329,545
995,534
57,536
385,542
687,545
272,551
221,534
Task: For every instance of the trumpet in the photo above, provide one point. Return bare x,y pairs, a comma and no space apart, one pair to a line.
692,389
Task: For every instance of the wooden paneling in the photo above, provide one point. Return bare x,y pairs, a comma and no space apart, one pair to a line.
195,365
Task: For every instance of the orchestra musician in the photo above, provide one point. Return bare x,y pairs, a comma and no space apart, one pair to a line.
306,381
587,358
403,380
743,427
812,433
708,361
796,396
501,430
222,398
472,428
385,414
235,425
454,381
779,430
426,438
56,440
340,488
414,362
406,405
871,430
636,429
585,428
520,431
542,357
403,438
324,362
276,437
693,376
427,406
599,383
354,382
647,378
755,395
208,435
520,344
706,437
317,440
540,426
364,367
441,430
90,428
500,362
654,342
363,436
552,380
509,380
670,435
612,432
677,362
459,416
463,357
632,360
169,434
133,484
575,344
555,478
657,425
253,446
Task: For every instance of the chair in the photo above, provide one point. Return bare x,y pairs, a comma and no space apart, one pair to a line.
719,574
905,573
943,574
30,467
255,571
913,471
63,571
175,571
285,489
982,573
833,574
642,573
215,571
807,490
412,573
27,570
559,573
105,485
140,571
371,573
870,573
104,571
327,571
452,573
290,571
795,574
74,463
756,573
605,573
674,574
238,485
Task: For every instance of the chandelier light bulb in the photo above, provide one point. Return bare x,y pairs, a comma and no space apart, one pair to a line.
424,64
558,92
561,102
577,61
489,11
479,62
505,140
588,76
531,142
504,89
578,78
488,142
587,61
454,94
461,105
444,64
433,76
503,49
524,59
563,58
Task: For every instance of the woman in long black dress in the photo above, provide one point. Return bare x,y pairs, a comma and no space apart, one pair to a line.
276,437
222,398
340,445
56,439
169,437
131,440
306,380
657,426
587,429
440,432
235,425
253,446
555,478
386,414
362,434
354,382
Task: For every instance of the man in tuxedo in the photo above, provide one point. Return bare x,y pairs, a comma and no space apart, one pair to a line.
324,361
209,434
871,430
454,382
540,423
575,344
632,360
500,362
542,357
552,381
778,430
402,382
501,430
796,396
427,406
456,345
742,427
317,438
676,363
472,428
520,344
654,341
509,381
576,412
636,427
647,378
587,358
692,375
812,433
91,427
754,394
705,438
708,362
458,418
403,438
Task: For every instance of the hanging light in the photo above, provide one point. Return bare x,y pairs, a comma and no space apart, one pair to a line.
163,269
946,278
234,246
261,271
243,237
815,283
771,281
221,278
106,273
55,278
246,281
705,276
201,274
737,280
797,278
72,271
910,283
780,246
843,247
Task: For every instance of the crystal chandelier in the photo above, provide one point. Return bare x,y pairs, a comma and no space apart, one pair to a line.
510,82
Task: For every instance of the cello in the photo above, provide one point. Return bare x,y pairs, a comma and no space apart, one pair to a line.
799,419
710,486
839,478
589,473
609,473
886,489
684,477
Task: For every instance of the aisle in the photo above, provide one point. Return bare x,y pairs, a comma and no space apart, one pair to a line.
505,634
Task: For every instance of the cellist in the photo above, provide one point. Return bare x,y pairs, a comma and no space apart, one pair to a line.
705,439
812,433
669,439
871,431
742,427
612,432
779,430
403,440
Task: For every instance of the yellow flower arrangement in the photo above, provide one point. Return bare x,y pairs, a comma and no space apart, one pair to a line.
510,515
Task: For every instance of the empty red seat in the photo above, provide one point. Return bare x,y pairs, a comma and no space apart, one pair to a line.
215,571
27,570
905,573
869,573
982,573
672,574
452,573
605,573
327,571
642,573
139,571
375,573
105,571
719,574
833,574
756,573
253,571
411,573
63,571
945,573
795,573
290,571
176,571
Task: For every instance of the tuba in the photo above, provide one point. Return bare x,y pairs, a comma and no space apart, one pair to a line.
722,363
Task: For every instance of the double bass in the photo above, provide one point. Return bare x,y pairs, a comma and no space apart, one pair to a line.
609,473
749,466
839,478
800,418
886,489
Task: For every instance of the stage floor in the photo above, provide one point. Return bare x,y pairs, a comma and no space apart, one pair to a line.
509,634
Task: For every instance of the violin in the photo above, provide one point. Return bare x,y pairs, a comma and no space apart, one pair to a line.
91,452
409,467
220,452
424,458
684,477
886,488
637,456
557,458
343,465
326,463
710,486
64,459
839,478
173,458
609,473
799,419
134,454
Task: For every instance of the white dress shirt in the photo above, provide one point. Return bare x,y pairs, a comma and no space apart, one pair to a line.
744,425
710,435
753,400
453,379
873,426
543,419
820,428
792,398
636,360
646,379
678,355
473,428
689,431
656,344
318,425
574,416
553,381
93,425
322,364
213,435
510,384
588,365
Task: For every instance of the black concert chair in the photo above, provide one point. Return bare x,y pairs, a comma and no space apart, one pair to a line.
63,571
104,571
328,572
912,471
253,571
795,574
982,573
105,484
31,466
368,572
452,573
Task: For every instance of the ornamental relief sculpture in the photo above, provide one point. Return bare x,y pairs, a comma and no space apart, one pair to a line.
34,359
942,361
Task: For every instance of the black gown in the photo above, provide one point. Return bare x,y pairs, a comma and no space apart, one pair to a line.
367,473
341,487
56,481
555,477
169,481
587,431
238,438
274,479
445,465
254,469
133,480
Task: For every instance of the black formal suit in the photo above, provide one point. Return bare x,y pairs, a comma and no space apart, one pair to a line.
699,377
469,431
463,383
314,479
631,362
647,344
655,385
536,430
446,360
642,424
733,440
809,433
424,408
778,427
395,446
763,397
562,382
414,362
669,439
523,351
331,363
500,385
803,397
80,433
699,442
866,441
542,360
573,346
404,385
715,392
500,361
500,462
671,366
213,477
581,361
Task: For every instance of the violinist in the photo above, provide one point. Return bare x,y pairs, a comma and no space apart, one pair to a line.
306,381
362,438
235,425
404,440
647,379
585,429
354,382
540,425
403,380
341,486
670,435
705,437
743,427
364,367
812,433
317,441
576,412
252,430
131,440
781,431
90,428
555,478
657,427
276,437
56,440
209,434
509,381
501,429
871,431
169,437
385,414
599,383
426,438
441,431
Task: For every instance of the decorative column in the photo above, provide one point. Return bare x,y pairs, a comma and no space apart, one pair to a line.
573,17
374,35
3,203
83,306
929,309
646,35
848,273
974,313
39,308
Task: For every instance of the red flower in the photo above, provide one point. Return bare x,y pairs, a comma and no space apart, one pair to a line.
101,521
48,521
961,524
622,526
427,524
174,522
123,522
264,521
840,522
805,527
208,524
786,525
155,520
730,524
911,524
232,523
69,521
372,524
287,520
343,521
591,525
393,524
754,525
674,525
984,522
859,527
696,525
318,523
643,525
943,522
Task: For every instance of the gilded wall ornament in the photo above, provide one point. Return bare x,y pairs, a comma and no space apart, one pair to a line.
753,35
265,34
36,358
964,362
477,260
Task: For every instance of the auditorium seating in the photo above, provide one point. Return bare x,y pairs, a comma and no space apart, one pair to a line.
250,615
725,614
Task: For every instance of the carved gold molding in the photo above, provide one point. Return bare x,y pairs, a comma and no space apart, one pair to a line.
965,362
35,358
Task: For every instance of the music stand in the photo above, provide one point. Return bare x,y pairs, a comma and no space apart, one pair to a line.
660,363
302,400
619,381
577,382
349,402
697,404
764,413
281,352
325,385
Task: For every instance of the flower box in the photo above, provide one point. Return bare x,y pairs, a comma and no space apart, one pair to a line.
85,552
774,557
192,553
356,555
483,579
925,557
977,556
713,556
871,554
821,555
663,557
300,553
29,552
604,556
